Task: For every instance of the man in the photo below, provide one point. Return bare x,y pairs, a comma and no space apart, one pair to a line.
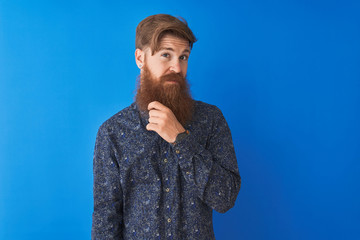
165,162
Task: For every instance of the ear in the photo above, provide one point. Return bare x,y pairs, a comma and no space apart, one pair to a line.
139,57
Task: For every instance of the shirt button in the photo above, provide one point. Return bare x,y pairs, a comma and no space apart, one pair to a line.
177,151
169,220
188,173
167,190
165,160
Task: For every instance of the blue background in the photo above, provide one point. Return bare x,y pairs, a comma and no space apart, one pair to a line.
286,75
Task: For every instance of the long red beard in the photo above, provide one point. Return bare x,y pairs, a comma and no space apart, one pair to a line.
175,96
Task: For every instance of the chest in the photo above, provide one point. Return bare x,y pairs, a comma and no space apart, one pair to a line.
146,159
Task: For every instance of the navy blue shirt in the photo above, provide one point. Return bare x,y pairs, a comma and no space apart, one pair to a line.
147,188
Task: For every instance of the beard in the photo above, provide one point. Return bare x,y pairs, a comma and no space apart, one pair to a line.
171,90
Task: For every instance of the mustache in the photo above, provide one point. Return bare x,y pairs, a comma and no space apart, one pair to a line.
176,96
176,77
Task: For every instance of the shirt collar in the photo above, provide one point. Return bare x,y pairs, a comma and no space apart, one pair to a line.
144,115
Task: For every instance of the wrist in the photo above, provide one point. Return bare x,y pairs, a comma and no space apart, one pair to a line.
181,136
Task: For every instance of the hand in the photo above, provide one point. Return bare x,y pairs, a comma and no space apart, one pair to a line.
163,121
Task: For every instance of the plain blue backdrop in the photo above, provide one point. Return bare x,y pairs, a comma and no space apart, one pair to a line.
286,75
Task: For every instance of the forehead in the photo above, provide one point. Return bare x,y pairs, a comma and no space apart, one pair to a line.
170,41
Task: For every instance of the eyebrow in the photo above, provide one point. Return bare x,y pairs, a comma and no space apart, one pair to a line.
171,49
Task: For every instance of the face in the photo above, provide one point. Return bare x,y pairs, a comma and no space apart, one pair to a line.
163,78
172,57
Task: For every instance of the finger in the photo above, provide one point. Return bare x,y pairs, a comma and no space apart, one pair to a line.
157,105
155,113
152,127
155,120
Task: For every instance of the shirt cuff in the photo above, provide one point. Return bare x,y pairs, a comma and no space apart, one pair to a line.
193,157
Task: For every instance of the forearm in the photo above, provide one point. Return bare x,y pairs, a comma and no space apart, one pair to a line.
212,173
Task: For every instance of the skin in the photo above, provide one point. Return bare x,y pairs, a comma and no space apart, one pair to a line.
172,57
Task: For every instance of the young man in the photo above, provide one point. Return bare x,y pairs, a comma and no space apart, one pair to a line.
165,162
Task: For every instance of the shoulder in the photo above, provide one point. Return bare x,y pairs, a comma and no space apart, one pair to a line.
207,110
122,119
210,118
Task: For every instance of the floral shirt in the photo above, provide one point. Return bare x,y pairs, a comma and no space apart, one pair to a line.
147,188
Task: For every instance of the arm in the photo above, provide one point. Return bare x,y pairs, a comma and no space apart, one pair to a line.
212,170
107,215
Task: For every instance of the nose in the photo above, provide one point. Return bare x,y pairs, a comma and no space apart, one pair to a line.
175,66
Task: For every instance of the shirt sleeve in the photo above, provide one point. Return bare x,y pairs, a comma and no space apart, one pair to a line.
211,170
107,215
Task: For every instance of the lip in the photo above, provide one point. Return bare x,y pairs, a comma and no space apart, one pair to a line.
172,82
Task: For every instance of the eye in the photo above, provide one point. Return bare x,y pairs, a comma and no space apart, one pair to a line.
184,57
165,55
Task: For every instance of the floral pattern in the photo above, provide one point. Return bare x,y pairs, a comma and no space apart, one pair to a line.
147,188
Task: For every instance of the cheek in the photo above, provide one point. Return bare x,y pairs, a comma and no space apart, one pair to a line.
184,69
161,70
156,69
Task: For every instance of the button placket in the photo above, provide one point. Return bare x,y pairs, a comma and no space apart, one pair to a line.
167,165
